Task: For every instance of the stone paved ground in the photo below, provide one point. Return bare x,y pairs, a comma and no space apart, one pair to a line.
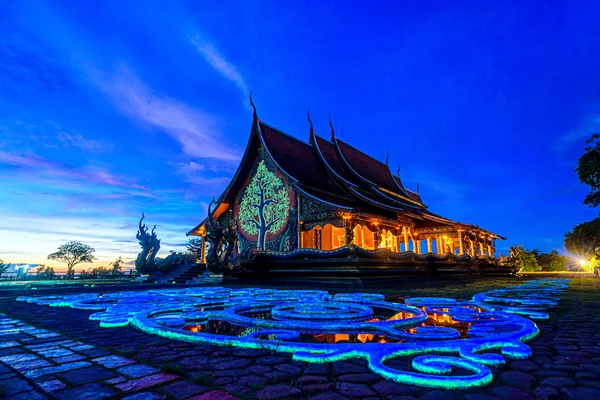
48,352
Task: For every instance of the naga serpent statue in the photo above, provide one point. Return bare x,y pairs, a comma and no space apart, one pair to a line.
221,234
146,261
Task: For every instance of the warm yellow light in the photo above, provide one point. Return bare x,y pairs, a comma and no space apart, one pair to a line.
583,262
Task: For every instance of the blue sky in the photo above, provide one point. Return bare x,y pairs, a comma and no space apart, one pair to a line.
109,109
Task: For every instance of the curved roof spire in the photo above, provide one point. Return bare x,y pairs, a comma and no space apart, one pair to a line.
254,114
398,171
387,158
332,130
310,121
418,188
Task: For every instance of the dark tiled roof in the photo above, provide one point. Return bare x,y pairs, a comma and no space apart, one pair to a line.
332,158
368,167
298,159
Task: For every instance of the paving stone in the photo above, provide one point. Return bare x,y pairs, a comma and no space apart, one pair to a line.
580,393
546,393
113,361
595,384
438,394
354,389
343,368
86,375
516,378
272,360
183,389
511,393
288,369
359,378
231,372
479,396
317,369
215,395
312,380
586,375
11,343
259,369
14,386
558,382
524,366
320,388
137,370
7,375
114,381
388,387
144,396
147,381
232,364
329,396
91,391
31,395
53,370
51,385
222,381
277,392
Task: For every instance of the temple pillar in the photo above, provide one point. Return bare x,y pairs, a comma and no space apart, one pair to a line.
405,238
490,251
203,251
438,245
362,237
472,252
429,249
461,249
481,248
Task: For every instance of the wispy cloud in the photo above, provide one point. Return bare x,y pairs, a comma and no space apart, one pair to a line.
220,64
589,126
195,130
89,174
74,139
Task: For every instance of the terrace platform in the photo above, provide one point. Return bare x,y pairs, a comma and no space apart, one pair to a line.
55,352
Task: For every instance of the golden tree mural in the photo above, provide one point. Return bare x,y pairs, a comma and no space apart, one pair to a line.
265,205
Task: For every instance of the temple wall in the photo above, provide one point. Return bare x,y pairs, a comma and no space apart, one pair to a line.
277,229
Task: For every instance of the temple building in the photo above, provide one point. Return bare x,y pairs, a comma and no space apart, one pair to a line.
324,194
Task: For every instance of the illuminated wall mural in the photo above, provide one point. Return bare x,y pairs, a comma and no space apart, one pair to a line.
451,343
264,206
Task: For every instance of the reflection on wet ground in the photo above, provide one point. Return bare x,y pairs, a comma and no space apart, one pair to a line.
440,319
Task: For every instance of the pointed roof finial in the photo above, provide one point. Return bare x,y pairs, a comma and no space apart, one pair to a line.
255,115
398,171
309,120
387,157
332,130
418,188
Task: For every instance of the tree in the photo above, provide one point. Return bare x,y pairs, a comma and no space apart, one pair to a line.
265,205
584,242
44,272
116,267
588,170
552,261
528,260
3,267
73,253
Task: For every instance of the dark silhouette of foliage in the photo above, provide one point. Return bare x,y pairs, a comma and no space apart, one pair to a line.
3,267
584,241
588,170
73,253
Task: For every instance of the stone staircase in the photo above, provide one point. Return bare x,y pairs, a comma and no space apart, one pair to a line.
189,274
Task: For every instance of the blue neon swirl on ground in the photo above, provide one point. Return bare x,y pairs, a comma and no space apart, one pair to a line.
496,319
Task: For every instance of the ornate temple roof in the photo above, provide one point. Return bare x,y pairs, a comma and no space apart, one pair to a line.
336,173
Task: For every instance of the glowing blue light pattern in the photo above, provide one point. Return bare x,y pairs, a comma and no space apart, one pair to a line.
451,342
